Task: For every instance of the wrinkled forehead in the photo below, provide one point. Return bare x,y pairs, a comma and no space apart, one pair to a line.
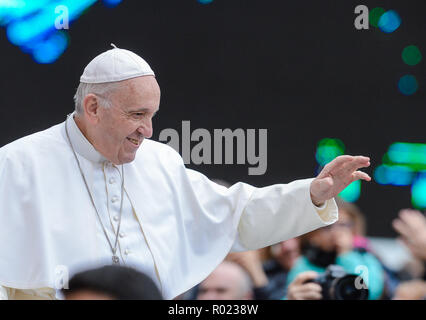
141,92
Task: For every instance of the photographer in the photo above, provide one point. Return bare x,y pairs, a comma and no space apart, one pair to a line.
334,245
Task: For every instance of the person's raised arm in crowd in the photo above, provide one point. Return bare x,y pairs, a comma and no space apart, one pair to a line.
411,226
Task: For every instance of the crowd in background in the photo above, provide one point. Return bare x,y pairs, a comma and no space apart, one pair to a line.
288,270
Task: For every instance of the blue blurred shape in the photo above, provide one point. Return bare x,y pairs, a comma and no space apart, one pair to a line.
17,9
389,21
394,175
51,49
418,191
400,175
407,85
36,26
205,1
33,24
380,175
112,3
407,153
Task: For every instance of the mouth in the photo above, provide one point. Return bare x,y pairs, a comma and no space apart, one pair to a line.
134,141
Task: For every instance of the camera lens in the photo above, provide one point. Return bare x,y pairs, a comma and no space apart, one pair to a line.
344,289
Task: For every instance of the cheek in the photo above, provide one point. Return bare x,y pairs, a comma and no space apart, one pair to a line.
110,127
121,131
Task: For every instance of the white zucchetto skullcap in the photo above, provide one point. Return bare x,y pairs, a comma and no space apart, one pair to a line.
115,65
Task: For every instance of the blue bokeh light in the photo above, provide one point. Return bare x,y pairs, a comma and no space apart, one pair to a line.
389,21
51,49
21,31
111,3
408,85
36,25
394,175
205,1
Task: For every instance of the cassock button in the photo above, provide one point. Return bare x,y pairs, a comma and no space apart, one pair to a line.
126,252
111,180
115,218
122,234
114,199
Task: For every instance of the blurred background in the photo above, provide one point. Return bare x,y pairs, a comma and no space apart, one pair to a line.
300,69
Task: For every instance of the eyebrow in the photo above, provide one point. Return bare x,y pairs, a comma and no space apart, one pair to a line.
142,110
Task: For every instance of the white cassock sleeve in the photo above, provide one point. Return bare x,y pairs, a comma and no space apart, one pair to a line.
280,212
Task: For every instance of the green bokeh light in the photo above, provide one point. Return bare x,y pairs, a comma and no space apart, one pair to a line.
352,192
418,193
328,149
412,155
375,15
411,55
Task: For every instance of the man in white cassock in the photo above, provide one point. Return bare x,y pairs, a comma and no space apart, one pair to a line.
95,190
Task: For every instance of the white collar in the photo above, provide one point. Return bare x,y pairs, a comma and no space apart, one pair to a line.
80,144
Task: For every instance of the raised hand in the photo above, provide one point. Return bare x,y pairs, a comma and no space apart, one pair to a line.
336,176
411,225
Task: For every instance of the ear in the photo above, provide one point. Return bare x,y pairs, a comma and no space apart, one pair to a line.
91,108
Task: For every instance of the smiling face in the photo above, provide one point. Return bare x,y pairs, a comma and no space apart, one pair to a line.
118,131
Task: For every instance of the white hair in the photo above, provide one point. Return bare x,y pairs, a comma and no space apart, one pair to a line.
245,284
102,91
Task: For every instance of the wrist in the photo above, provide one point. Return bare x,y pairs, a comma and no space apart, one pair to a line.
316,202
259,279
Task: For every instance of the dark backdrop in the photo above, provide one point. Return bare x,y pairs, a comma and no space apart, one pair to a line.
297,68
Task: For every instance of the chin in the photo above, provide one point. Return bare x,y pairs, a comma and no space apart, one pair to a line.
127,159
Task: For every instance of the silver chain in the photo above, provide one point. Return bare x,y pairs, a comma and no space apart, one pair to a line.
115,258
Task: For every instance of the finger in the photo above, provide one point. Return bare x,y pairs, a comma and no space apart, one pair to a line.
309,296
305,276
338,162
359,175
402,212
408,244
357,163
401,227
362,159
347,165
310,287
413,218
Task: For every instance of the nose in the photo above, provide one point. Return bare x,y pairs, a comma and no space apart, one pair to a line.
146,129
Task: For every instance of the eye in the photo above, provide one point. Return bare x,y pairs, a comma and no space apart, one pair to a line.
138,115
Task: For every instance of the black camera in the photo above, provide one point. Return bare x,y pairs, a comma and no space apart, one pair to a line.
336,284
